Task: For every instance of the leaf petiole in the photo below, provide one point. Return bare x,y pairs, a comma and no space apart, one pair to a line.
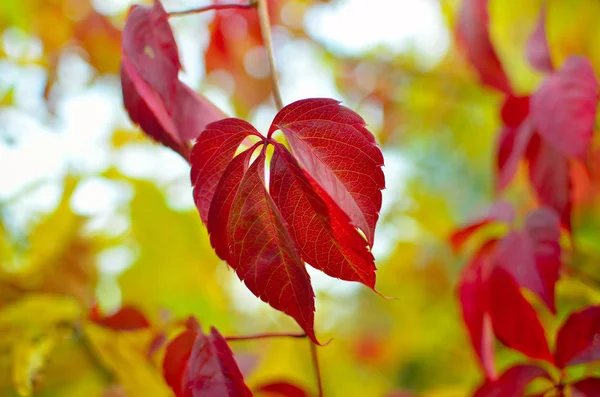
213,7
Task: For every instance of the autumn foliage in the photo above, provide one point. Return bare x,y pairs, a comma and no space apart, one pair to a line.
306,196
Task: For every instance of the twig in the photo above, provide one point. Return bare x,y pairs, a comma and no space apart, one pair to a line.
264,336
265,29
315,360
212,7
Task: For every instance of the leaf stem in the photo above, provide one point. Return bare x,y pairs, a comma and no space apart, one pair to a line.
315,360
213,7
264,336
265,29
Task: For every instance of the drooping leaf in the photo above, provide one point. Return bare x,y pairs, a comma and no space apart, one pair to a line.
473,33
165,108
514,320
333,146
512,382
532,256
197,365
473,299
263,253
577,339
127,318
150,51
549,173
281,389
322,232
538,53
563,110
501,211
588,387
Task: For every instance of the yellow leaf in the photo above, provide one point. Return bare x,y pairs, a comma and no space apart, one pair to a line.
124,355
29,358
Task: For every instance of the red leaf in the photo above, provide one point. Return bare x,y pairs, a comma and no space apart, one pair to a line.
512,382
473,299
549,173
512,146
282,389
199,365
176,360
501,211
514,320
213,370
578,340
563,110
150,50
588,387
165,108
473,33
212,153
263,253
332,144
320,229
513,138
222,202
126,319
532,256
538,52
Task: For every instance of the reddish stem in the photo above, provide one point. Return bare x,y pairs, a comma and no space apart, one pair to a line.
264,336
212,7
315,360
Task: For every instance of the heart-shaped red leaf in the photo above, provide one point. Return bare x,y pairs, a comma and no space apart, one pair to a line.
532,256
549,172
473,33
512,382
588,387
578,340
165,108
538,52
197,365
322,232
563,110
514,320
333,146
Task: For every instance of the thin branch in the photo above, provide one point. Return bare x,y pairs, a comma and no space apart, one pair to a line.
265,29
315,360
264,336
212,7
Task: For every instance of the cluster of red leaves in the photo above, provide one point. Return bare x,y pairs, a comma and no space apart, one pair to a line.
195,364
315,201
550,129
320,196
